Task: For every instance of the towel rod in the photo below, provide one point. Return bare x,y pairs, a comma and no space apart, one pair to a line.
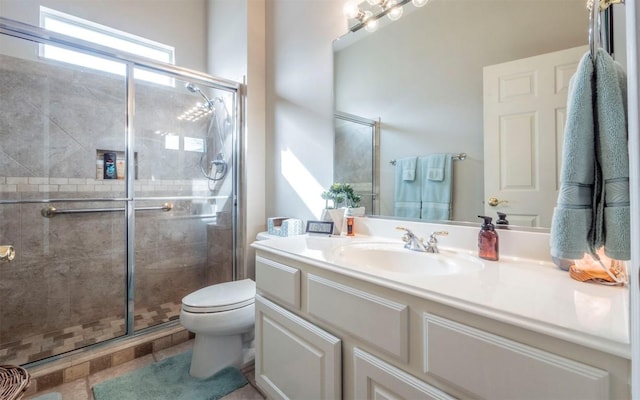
50,212
604,4
457,157
594,23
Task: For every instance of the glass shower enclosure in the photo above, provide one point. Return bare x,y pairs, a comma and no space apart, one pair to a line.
117,194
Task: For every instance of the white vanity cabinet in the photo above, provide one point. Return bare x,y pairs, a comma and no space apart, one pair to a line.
324,334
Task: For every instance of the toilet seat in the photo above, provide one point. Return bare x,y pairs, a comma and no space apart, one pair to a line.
221,297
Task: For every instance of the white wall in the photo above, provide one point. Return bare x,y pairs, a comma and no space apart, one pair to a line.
170,22
227,39
236,38
300,104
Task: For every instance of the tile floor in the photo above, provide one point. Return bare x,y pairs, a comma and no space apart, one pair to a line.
37,347
81,389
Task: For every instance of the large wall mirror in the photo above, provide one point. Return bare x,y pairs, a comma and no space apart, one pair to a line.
422,78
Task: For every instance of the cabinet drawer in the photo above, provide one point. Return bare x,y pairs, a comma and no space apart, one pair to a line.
278,281
374,320
376,379
492,367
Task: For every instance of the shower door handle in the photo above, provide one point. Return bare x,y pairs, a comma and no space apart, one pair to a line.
7,253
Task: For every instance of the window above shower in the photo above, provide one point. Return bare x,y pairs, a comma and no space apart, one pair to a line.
90,31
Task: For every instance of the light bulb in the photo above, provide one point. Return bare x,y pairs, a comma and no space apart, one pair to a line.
419,3
371,26
351,10
395,13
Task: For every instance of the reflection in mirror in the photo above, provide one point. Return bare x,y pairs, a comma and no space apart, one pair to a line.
422,76
355,157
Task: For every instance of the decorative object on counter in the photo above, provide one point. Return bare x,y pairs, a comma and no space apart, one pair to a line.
338,199
488,240
320,227
348,216
284,226
340,195
604,270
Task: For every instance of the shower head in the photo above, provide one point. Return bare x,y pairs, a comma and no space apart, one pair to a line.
194,89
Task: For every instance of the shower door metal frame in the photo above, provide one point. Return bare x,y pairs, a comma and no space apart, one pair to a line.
38,35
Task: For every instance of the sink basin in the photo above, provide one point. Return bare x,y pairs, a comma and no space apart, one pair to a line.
394,259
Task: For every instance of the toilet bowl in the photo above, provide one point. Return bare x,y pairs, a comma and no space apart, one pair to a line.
222,316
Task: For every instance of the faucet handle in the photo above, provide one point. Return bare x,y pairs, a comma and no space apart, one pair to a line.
432,237
407,233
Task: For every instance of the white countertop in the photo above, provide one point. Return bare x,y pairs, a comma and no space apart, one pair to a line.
535,295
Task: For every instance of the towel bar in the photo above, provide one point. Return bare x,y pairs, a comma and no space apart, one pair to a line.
457,157
50,212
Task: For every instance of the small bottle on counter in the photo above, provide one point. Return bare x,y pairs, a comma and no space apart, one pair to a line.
349,217
502,221
488,240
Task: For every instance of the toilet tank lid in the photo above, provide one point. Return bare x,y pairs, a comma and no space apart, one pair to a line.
222,294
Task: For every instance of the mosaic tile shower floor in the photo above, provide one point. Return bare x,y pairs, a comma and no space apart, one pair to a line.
44,345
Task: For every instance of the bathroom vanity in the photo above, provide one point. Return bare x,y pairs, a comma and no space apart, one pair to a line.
363,317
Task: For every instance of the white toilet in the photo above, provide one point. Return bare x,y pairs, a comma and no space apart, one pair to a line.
222,316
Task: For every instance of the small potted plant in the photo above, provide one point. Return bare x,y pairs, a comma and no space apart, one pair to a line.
338,199
340,195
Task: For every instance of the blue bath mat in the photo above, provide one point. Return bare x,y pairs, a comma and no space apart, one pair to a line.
49,396
169,379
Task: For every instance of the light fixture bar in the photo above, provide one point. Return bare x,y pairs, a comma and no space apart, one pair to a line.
362,23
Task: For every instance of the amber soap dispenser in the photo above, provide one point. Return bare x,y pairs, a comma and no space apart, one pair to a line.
488,240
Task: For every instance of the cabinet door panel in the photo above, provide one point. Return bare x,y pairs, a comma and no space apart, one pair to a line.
295,359
493,367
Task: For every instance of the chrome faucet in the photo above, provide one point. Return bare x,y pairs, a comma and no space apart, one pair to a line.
412,242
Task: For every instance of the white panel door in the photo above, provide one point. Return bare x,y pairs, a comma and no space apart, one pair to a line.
524,114
294,358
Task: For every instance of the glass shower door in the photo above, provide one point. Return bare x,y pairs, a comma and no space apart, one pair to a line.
184,147
65,289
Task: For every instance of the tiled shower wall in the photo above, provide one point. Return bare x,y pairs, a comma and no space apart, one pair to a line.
353,160
70,269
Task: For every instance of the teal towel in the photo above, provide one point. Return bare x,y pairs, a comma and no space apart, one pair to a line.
408,166
435,166
612,217
593,202
407,194
572,217
436,195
